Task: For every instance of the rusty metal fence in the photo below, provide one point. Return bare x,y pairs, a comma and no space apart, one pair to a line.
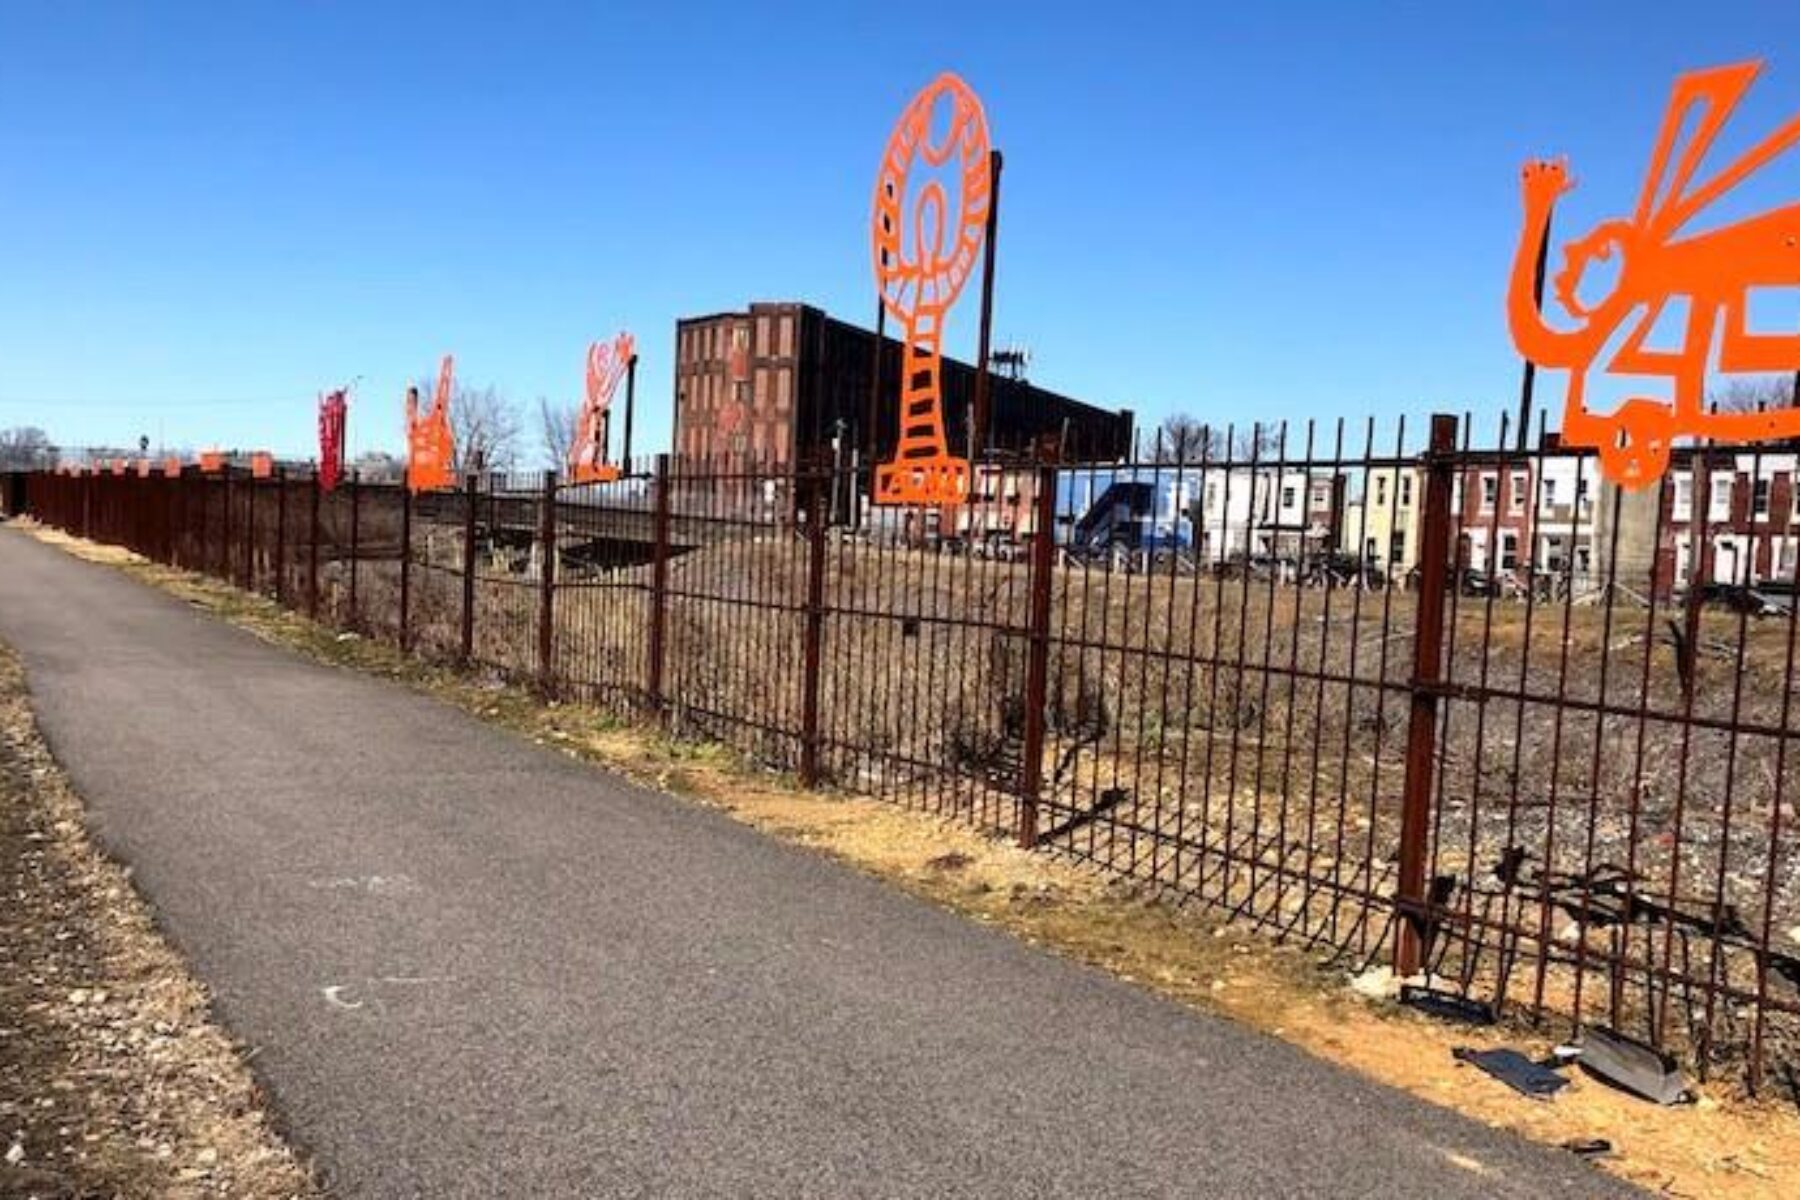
1462,705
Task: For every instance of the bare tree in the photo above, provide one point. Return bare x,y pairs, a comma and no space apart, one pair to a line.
557,425
1183,438
486,424
1763,393
26,448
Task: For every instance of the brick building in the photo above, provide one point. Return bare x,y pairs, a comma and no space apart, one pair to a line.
772,385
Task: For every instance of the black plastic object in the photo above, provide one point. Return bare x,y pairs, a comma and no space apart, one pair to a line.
1446,1006
1515,1071
1632,1066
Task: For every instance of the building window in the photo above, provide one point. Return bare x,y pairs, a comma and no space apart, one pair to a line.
1380,491
1720,508
1549,492
1684,498
1456,495
1787,551
1509,550
1397,546
1582,500
1516,497
1406,491
1760,498
1553,554
1490,492
1289,495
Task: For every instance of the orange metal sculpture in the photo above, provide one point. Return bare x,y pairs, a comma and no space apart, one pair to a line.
606,365
262,465
924,253
212,461
430,445
1710,274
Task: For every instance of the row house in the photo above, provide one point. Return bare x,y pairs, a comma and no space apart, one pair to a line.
1726,517
1514,516
1289,513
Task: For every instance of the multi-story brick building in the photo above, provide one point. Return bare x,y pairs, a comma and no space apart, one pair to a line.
774,385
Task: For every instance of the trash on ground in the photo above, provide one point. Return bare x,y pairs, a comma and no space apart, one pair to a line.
1447,1006
1516,1071
1632,1066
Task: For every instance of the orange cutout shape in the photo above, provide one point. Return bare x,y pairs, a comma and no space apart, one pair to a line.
262,465
606,365
171,467
143,468
919,282
430,444
1711,273
212,461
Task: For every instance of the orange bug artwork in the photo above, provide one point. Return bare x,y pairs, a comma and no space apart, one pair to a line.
606,365
430,444
262,465
1708,276
212,461
924,253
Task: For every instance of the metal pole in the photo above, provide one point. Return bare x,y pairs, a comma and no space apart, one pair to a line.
406,513
1528,385
546,632
249,579
659,586
312,554
630,407
471,484
281,535
355,542
978,420
1037,667
1427,681
814,639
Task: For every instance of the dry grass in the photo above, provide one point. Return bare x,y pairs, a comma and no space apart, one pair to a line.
114,1081
1724,1147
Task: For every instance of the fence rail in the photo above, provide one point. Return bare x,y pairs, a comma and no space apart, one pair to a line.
1468,707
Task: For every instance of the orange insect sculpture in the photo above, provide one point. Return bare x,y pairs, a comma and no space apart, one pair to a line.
212,461
924,252
430,445
1709,275
606,365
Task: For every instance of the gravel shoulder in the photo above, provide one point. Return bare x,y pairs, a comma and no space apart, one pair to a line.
114,1079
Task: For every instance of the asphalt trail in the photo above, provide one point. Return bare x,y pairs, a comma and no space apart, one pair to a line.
474,967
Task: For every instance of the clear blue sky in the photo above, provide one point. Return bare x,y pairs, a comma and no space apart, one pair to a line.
210,212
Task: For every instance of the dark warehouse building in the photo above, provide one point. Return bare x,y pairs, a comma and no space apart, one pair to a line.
771,385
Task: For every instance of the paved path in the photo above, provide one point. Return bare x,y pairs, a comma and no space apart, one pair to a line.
478,968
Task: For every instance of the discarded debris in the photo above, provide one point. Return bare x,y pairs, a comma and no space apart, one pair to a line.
1589,1148
1447,1006
1514,1070
1377,983
1632,1066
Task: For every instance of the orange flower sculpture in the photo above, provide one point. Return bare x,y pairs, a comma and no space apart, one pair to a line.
1705,276
430,444
924,252
606,365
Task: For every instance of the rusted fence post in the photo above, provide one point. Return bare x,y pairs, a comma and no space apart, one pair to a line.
281,535
546,631
312,550
406,513
1037,664
87,503
814,637
1411,901
471,484
659,586
249,577
222,569
355,545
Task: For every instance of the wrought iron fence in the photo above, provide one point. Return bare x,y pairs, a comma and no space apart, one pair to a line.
1469,706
